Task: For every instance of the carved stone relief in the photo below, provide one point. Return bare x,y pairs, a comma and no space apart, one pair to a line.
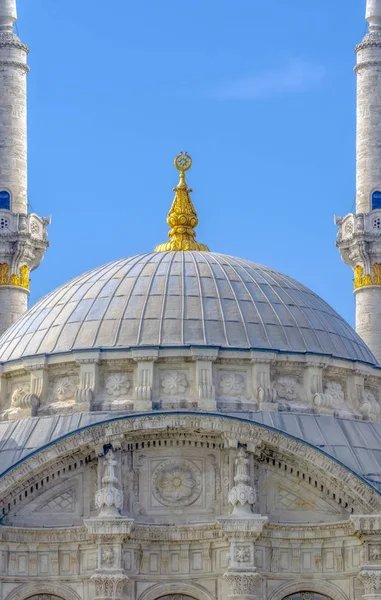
231,384
176,483
287,388
173,383
117,385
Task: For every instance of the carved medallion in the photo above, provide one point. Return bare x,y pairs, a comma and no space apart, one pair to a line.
177,483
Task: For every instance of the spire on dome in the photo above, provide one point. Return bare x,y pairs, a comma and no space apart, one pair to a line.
8,15
182,217
373,14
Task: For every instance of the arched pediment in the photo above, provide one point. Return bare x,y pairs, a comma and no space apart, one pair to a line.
304,460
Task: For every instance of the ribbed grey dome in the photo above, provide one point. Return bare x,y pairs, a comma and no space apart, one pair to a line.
180,299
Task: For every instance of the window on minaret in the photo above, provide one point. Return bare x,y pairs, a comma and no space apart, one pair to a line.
5,200
376,200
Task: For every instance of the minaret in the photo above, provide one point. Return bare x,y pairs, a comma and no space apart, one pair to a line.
23,238
359,236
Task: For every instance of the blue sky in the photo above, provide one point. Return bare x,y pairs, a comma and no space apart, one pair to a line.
261,95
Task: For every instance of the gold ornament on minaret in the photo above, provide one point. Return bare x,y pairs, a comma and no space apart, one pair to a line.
182,217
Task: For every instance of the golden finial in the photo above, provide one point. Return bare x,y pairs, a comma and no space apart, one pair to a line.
182,217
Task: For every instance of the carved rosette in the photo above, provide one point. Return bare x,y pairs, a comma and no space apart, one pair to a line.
243,583
232,384
174,382
177,483
371,580
108,586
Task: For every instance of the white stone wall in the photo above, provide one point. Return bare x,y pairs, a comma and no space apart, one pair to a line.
13,115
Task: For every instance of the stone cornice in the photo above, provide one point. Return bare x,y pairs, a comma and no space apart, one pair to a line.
275,532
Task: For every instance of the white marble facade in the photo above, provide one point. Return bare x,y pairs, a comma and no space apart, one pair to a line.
186,425
145,507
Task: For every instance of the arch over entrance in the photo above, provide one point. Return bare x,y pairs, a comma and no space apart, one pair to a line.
299,590
176,597
44,597
42,591
307,596
176,591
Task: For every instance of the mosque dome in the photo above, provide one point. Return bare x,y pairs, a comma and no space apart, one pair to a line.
180,299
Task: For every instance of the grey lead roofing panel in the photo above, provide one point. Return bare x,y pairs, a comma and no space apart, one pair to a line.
356,444
182,299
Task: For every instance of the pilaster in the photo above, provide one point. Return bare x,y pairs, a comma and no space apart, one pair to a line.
242,529
144,379
264,391
110,530
206,391
88,381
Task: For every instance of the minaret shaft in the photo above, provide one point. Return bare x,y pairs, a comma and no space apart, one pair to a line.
23,238
359,236
13,132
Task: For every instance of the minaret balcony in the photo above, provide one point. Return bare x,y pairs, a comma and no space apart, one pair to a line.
31,225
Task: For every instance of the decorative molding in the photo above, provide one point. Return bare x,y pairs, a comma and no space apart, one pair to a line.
371,580
243,583
15,65
108,585
11,40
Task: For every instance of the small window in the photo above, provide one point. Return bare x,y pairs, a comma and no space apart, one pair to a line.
5,200
376,200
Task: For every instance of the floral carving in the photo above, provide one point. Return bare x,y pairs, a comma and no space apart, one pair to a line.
375,552
108,557
243,583
64,389
287,388
117,385
232,384
369,407
19,394
243,554
176,482
174,382
335,390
